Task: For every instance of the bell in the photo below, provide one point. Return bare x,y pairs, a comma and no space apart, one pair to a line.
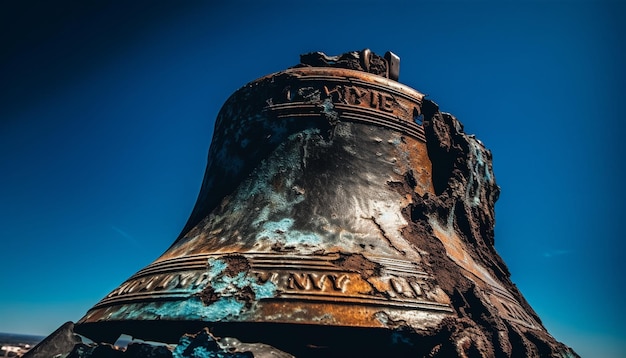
304,233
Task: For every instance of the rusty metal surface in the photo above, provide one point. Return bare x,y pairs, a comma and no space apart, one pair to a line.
312,234
320,207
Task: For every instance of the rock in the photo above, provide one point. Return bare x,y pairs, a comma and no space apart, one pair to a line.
200,345
102,350
143,350
58,342
258,350
204,344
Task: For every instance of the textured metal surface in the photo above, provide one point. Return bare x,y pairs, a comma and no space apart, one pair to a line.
311,232
321,212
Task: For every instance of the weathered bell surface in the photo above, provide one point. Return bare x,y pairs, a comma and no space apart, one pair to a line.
328,212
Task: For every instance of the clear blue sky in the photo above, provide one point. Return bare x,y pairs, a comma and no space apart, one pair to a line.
107,111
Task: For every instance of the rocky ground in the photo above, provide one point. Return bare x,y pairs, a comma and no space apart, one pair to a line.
63,343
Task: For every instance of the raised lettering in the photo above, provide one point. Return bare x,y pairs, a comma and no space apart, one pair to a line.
396,285
338,281
131,286
116,292
317,280
298,280
405,286
355,95
148,284
165,282
287,92
263,277
306,281
178,281
336,94
400,286
374,99
202,280
385,103
417,289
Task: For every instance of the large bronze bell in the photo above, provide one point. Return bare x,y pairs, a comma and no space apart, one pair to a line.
300,234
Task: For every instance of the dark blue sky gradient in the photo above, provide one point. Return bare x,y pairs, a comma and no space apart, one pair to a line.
107,112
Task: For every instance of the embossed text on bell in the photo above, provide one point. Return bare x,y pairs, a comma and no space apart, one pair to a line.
337,205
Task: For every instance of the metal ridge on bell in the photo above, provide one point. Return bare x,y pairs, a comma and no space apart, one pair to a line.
295,222
313,222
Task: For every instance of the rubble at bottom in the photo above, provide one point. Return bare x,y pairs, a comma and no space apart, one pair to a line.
63,343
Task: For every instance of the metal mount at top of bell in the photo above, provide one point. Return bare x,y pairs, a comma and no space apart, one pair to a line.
366,61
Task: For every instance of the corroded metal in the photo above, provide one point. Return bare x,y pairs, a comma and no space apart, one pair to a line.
320,207
308,232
